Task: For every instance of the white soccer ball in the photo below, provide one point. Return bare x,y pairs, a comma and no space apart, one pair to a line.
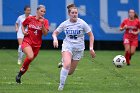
119,61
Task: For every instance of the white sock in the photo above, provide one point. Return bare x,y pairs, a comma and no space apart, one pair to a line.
20,53
63,76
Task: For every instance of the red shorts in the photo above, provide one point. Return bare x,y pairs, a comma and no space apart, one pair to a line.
130,42
35,49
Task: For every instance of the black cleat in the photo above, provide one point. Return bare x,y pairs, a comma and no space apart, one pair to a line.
60,65
128,64
18,79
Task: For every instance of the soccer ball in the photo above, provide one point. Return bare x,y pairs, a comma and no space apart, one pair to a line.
119,61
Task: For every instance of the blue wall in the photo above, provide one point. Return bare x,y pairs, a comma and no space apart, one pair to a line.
104,16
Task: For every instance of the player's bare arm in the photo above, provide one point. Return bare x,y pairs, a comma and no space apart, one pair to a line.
55,41
91,42
137,32
23,30
125,27
44,30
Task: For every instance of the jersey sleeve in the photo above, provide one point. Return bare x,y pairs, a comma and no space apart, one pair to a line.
122,24
60,28
46,24
18,20
26,21
86,27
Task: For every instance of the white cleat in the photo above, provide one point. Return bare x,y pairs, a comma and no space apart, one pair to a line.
60,64
60,88
19,62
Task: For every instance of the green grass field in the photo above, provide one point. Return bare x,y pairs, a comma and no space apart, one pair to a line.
91,76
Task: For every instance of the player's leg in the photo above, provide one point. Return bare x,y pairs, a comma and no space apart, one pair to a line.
126,44
29,57
127,53
132,51
77,55
31,53
36,51
74,64
134,45
65,69
20,53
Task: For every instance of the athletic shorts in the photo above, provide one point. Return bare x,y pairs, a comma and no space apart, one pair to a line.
35,49
130,42
76,55
20,34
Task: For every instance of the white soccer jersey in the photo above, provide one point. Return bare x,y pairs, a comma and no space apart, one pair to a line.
19,21
74,33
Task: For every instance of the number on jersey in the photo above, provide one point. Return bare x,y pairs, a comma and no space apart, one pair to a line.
131,30
35,32
73,36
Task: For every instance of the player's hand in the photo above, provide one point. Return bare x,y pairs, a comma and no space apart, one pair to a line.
135,33
41,19
125,27
25,33
55,43
92,53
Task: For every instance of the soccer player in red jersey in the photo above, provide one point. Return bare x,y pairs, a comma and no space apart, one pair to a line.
37,26
131,25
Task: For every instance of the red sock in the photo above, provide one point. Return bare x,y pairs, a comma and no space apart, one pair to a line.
127,56
25,65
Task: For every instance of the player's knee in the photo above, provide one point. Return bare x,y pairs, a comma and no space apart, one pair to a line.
132,53
35,54
127,50
30,57
67,66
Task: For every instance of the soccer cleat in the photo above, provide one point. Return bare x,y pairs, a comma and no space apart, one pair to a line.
60,64
60,88
128,64
19,62
18,79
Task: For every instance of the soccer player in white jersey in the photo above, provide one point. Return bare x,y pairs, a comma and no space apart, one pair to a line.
20,35
73,45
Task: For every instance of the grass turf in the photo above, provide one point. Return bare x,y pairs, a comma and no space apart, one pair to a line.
91,76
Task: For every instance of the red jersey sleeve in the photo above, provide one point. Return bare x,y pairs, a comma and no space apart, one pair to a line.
26,21
46,24
123,24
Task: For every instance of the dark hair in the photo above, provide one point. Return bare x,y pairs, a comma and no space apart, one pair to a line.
41,6
27,6
136,16
70,6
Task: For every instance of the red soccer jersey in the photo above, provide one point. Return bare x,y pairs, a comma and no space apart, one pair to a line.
34,36
133,26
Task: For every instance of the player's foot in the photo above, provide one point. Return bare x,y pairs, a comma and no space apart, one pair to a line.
18,79
19,61
60,88
60,64
128,64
